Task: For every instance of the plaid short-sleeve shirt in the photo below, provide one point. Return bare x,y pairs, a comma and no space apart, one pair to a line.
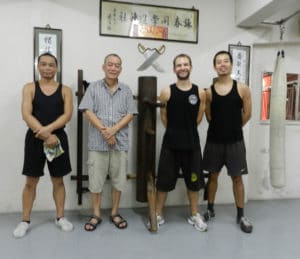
109,108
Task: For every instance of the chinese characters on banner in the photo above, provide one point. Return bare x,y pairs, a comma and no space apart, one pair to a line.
133,20
240,65
47,43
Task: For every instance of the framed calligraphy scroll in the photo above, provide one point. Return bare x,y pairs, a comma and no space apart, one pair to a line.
241,62
130,20
47,40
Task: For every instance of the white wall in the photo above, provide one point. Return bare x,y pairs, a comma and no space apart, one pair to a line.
83,48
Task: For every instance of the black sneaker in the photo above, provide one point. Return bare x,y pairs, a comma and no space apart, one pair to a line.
245,224
208,215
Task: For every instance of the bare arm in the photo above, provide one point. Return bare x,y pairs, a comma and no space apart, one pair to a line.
202,97
207,104
247,104
94,120
163,98
27,97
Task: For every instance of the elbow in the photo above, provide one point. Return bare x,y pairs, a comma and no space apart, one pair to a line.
68,117
249,115
246,119
130,117
25,117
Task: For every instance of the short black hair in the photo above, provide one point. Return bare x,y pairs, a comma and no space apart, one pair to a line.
49,55
182,55
223,52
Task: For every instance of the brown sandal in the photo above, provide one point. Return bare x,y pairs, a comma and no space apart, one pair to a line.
118,224
92,225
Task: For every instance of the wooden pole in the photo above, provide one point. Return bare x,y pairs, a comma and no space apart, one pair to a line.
147,95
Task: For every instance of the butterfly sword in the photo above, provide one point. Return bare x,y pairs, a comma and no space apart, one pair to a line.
151,55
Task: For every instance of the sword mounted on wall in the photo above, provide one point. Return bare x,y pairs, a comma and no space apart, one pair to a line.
151,55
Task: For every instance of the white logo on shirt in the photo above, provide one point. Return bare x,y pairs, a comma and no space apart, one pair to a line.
193,99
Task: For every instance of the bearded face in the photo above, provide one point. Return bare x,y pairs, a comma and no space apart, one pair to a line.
182,68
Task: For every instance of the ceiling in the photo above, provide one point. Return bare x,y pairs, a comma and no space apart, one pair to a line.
285,12
273,12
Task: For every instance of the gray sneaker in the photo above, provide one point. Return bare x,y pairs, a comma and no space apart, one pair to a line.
197,222
245,224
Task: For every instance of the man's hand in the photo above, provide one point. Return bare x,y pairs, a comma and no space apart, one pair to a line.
109,135
108,132
51,141
112,141
43,133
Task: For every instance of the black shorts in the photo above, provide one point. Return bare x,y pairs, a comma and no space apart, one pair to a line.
171,161
34,157
232,155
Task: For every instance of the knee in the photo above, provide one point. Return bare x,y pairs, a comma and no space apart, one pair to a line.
237,180
58,182
213,178
31,184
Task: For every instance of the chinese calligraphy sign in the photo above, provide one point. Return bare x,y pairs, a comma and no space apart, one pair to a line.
241,62
125,19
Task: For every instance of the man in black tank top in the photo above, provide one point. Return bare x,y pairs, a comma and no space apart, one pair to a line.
228,109
185,104
46,107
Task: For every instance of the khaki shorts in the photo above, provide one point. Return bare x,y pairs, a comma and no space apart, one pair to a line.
100,164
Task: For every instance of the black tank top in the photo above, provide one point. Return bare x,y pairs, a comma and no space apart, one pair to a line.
226,117
47,109
182,110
